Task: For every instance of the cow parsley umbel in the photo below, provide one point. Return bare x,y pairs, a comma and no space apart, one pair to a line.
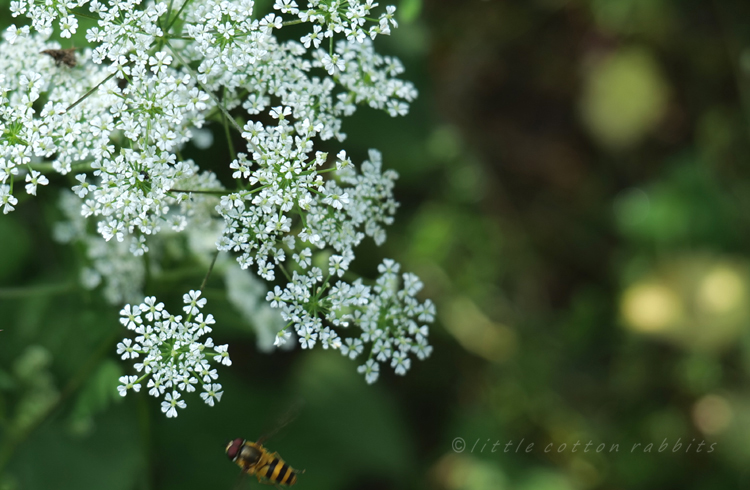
115,122
389,317
169,352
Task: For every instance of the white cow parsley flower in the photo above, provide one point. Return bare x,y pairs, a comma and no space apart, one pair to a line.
174,358
371,370
171,403
211,392
128,383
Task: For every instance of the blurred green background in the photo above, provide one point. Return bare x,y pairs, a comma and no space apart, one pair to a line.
574,188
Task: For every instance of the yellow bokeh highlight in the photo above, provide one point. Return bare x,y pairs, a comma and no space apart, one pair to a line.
712,414
722,290
466,472
697,301
651,307
625,97
477,333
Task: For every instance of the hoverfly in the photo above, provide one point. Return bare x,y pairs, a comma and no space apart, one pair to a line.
254,459
65,57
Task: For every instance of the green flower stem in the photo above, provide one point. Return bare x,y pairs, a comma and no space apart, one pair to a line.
286,273
180,274
169,12
229,136
46,289
85,16
87,94
177,15
217,192
210,268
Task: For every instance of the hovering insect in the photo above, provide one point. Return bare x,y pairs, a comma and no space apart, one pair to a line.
256,460
62,56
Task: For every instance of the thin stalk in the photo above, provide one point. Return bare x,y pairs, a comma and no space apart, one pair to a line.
177,15
228,135
211,267
47,289
169,13
286,274
85,16
218,192
87,94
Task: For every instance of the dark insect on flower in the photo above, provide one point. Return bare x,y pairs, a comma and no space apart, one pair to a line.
62,56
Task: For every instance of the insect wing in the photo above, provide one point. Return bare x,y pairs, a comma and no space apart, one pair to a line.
284,420
241,478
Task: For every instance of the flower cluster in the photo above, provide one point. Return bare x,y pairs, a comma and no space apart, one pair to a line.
264,226
134,195
114,123
168,352
389,317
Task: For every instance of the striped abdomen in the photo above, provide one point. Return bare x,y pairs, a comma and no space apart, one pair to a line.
278,471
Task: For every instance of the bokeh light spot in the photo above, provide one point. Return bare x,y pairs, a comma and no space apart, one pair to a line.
712,414
625,98
722,290
650,307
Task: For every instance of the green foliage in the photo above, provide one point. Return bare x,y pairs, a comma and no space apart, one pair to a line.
107,457
409,10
